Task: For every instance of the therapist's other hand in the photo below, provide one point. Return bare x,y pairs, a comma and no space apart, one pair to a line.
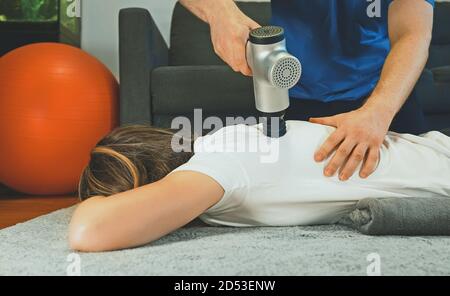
230,28
357,139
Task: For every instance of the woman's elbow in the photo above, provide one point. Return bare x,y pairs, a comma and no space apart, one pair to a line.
83,238
85,233
84,228
91,238
77,241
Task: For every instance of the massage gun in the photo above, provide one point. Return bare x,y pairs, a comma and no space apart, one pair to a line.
275,71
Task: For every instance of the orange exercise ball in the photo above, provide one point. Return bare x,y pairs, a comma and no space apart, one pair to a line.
56,103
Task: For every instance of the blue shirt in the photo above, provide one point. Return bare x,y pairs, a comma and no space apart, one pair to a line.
342,49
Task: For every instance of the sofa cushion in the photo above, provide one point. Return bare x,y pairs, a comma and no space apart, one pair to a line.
441,74
190,37
438,122
433,93
439,55
216,89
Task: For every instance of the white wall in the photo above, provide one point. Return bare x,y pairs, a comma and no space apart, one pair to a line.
100,25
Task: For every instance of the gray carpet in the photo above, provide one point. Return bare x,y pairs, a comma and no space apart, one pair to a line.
39,247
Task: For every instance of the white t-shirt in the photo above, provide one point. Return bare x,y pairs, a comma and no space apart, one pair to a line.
276,182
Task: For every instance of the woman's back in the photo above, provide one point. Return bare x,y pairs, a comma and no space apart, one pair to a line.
271,181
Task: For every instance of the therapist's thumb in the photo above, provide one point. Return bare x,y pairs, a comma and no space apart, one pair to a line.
253,25
324,120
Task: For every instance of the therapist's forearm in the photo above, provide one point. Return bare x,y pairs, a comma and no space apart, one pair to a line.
206,9
400,73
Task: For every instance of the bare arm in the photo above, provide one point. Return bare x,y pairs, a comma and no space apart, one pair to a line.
142,215
229,29
410,29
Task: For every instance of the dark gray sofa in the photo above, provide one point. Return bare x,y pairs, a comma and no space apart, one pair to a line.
158,83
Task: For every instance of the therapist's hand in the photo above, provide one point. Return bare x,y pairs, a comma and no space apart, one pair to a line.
358,137
230,28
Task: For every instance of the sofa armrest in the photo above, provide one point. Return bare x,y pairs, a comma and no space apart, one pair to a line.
141,49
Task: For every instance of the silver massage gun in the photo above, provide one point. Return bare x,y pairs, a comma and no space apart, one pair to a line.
275,71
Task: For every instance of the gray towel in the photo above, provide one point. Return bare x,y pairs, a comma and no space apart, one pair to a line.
401,216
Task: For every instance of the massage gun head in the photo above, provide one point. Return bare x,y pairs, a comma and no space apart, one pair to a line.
274,72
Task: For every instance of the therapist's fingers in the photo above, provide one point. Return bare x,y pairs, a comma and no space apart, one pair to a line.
241,61
340,157
370,162
331,120
353,162
329,145
244,67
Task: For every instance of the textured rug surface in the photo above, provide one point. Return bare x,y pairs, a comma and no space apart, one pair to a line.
39,247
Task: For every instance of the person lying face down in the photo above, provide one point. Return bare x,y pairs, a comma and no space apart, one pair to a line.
137,189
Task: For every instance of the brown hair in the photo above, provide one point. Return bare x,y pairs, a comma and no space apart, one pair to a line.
130,157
